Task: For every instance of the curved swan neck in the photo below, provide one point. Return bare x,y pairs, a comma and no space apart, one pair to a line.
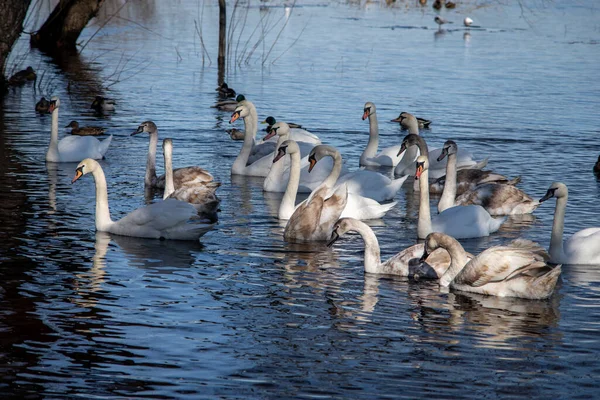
103,220
169,185
556,239
449,194
424,223
335,171
458,258
371,149
251,127
277,169
151,161
372,252
288,202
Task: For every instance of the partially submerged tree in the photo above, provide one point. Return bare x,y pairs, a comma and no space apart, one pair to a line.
11,25
64,25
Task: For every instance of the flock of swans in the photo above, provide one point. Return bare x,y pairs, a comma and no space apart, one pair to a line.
474,202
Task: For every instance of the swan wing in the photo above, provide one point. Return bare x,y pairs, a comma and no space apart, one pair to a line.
362,208
77,148
372,184
302,135
499,199
463,222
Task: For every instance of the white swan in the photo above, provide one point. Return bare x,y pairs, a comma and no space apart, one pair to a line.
405,263
356,206
72,148
278,176
298,133
200,195
168,219
583,247
181,176
460,222
519,269
388,157
496,198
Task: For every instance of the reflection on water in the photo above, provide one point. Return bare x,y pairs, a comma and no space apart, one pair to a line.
243,313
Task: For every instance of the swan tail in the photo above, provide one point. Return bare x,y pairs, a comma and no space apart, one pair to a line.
396,185
103,147
543,286
495,223
514,181
481,164
380,210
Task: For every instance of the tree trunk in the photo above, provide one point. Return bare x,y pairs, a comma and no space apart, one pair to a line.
64,25
222,40
11,25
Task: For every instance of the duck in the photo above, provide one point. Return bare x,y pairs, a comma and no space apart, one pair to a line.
388,157
405,263
22,77
461,222
225,91
362,182
437,4
181,176
167,219
519,269
236,134
422,123
270,121
357,206
201,195
313,219
72,148
450,5
496,198
437,168
102,104
582,247
229,105
85,130
42,106
597,167
278,176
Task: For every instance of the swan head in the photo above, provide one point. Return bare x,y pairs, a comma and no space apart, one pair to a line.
85,167
409,140
280,128
434,241
368,110
241,111
147,126
318,152
287,147
167,144
342,226
54,104
422,166
73,124
557,189
449,148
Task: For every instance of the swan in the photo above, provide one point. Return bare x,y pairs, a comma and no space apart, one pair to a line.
102,104
460,222
297,134
278,176
519,269
405,263
496,198
181,176
84,130
362,182
72,148
168,219
422,123
437,166
468,179
388,157
356,206
583,247
201,195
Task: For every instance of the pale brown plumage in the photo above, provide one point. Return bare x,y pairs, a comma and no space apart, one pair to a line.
499,199
469,179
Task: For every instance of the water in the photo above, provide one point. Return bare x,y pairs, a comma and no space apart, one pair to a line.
244,314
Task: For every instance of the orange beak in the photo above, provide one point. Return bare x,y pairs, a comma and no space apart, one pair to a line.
51,107
234,117
419,172
78,174
312,164
365,115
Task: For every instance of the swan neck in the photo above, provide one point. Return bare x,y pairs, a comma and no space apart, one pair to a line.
169,185
52,154
372,252
335,171
151,161
251,127
449,194
413,126
458,261
288,202
371,149
103,220
556,239
424,223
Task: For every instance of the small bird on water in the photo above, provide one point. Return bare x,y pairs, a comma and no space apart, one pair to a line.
441,21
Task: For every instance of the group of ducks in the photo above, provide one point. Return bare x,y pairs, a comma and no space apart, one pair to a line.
474,203
293,160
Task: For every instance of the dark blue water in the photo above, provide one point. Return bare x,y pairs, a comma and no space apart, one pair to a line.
244,314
